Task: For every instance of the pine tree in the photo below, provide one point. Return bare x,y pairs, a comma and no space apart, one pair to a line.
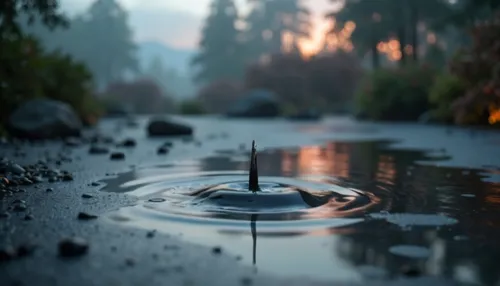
220,55
269,20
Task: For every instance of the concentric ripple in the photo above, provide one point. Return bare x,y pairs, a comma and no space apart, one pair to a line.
223,198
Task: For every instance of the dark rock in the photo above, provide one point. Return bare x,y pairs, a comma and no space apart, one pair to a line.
7,253
87,196
86,216
164,127
410,271
255,103
29,217
44,119
217,250
4,215
151,234
128,143
72,142
94,184
117,156
21,207
16,169
162,150
49,190
98,150
25,250
73,247
67,177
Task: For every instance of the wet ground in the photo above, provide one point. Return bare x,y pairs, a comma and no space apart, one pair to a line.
341,202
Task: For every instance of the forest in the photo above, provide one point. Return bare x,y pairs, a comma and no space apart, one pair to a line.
396,60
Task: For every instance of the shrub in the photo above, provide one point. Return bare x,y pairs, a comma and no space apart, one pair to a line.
216,97
479,68
285,75
27,72
333,79
395,94
191,107
143,96
446,89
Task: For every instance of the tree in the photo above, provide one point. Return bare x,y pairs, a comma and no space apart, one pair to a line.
12,10
270,20
109,50
220,55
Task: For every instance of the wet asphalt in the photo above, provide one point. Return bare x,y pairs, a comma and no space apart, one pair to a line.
116,255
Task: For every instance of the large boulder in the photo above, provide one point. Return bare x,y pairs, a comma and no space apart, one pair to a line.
44,119
255,103
159,126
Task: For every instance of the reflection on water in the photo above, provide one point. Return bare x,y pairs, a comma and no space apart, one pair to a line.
381,200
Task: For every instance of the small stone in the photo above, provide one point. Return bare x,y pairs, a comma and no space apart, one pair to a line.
128,143
16,169
73,247
20,207
98,150
162,151
87,196
129,262
7,253
217,250
26,250
151,234
67,177
86,216
246,281
156,200
94,184
29,217
117,156
410,271
4,215
48,190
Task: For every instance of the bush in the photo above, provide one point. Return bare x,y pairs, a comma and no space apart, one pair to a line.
479,68
395,94
142,96
27,72
191,107
216,97
446,89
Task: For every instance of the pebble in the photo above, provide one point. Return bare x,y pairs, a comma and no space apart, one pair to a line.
410,271
87,196
48,190
73,247
117,156
7,253
16,169
4,215
128,143
25,250
98,150
151,234
19,207
217,250
162,151
67,177
29,217
86,216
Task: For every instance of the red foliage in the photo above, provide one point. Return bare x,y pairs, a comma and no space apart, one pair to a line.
479,67
144,96
217,96
323,82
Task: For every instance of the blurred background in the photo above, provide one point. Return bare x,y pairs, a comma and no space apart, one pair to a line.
397,60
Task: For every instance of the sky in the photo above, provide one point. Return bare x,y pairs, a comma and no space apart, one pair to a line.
178,23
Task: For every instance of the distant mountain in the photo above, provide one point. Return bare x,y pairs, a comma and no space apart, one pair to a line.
173,58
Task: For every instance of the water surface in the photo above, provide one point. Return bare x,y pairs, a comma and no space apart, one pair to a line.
343,210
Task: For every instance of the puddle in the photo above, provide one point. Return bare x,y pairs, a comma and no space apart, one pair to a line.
326,211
